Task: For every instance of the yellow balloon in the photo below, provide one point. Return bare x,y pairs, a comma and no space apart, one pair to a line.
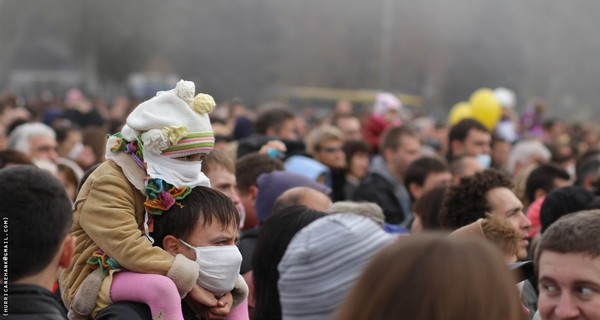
486,108
461,110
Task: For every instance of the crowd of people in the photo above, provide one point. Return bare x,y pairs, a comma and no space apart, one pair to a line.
178,208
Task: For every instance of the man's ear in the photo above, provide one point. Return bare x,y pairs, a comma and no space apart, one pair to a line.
456,146
253,190
171,245
387,154
588,182
539,193
66,252
415,190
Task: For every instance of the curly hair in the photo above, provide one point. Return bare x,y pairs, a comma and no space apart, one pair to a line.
466,202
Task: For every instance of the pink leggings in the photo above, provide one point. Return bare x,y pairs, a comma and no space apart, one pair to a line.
157,291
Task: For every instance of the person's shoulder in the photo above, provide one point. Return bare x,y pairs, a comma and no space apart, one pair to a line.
374,180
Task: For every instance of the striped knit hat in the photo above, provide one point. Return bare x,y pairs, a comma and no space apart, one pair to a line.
173,123
322,262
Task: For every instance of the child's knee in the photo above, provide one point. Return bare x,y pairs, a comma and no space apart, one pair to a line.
162,287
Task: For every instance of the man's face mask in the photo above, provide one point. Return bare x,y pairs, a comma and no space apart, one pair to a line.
485,160
219,267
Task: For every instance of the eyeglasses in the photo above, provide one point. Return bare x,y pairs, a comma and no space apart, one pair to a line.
331,149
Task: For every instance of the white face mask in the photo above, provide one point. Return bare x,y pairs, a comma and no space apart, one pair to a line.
219,267
176,172
485,160
75,151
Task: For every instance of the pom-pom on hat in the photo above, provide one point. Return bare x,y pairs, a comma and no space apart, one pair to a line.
173,123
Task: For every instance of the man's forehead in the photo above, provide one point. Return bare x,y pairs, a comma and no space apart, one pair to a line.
502,196
476,133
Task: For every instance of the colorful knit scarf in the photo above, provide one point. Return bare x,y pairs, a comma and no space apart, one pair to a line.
160,195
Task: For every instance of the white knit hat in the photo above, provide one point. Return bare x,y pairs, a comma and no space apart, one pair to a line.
323,261
173,123
386,101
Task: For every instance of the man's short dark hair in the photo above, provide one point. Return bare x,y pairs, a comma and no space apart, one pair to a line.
392,138
272,118
564,201
202,203
37,213
466,202
543,177
419,169
250,166
575,233
460,131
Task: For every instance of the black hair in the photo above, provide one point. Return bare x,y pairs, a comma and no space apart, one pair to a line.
273,239
203,203
563,201
419,169
543,178
37,213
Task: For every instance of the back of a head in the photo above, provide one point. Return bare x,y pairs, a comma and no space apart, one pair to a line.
272,185
466,202
250,166
563,201
366,209
37,213
464,165
322,262
302,196
434,278
428,208
523,151
543,177
273,239
575,233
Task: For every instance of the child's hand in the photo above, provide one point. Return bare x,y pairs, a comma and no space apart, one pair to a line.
200,297
221,311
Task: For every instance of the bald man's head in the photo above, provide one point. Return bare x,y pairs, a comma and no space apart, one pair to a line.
303,196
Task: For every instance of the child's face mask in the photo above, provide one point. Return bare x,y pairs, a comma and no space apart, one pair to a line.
219,267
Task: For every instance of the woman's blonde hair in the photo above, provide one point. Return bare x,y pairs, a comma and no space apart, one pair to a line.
431,277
